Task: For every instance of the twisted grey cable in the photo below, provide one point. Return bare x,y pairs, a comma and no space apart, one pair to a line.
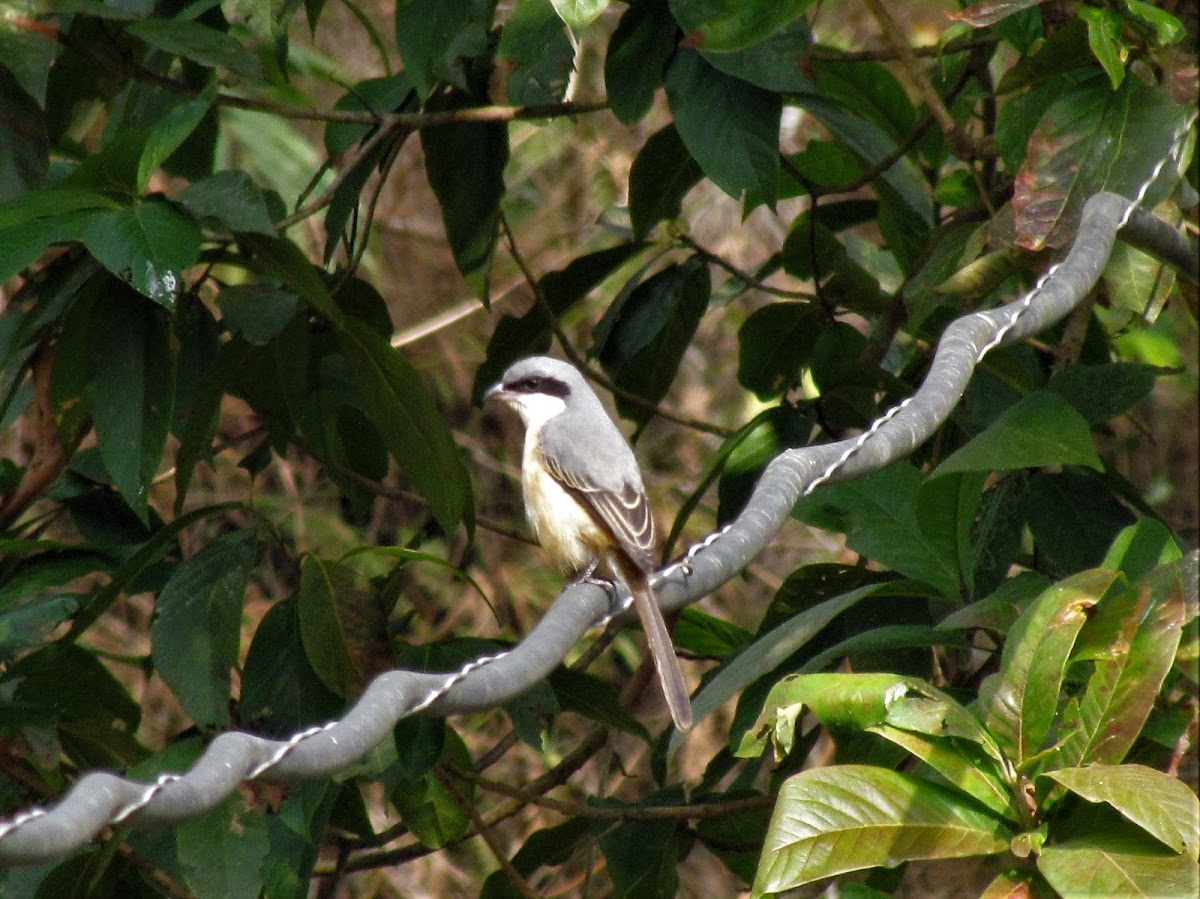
101,799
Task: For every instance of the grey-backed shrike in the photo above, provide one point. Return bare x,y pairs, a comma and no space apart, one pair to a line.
584,496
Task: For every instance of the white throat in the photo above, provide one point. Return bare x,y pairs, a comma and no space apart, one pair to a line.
536,409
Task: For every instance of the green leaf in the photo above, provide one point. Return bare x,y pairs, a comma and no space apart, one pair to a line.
1103,865
518,336
825,259
1018,705
222,851
828,821
643,856
1092,139
1042,429
257,311
375,95
1131,641
281,694
579,13
773,648
24,148
879,515
964,766
774,344
1168,29
428,808
662,174
536,54
1073,518
595,699
1159,803
229,200
415,433
199,43
1102,392
435,37
131,391
730,127
644,334
170,131
637,54
723,25
342,626
149,244
1104,37
778,63
197,626
1142,547
465,166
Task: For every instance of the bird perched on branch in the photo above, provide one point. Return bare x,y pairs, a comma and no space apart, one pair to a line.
584,496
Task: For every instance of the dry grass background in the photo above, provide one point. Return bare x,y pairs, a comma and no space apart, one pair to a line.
564,176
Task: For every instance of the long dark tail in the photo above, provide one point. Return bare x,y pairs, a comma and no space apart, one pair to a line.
658,638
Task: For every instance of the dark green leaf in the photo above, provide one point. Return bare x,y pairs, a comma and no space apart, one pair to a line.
393,93
131,391
637,54
24,145
197,628
281,693
416,435
1073,518
879,516
662,174
776,63
773,347
642,855
228,200
871,91
336,617
465,166
536,54
708,636
257,311
730,127
199,43
222,851
516,337
595,699
823,258
295,836
435,37
27,55
829,821
641,341
733,24
170,131
149,244
1042,429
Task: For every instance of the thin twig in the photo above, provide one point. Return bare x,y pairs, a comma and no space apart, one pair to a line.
745,277
960,142
485,831
829,54
579,362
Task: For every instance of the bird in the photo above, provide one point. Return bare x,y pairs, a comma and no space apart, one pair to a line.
584,497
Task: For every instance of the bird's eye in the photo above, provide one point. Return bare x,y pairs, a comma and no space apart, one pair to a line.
531,384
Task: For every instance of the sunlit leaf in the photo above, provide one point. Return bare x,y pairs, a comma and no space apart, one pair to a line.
828,821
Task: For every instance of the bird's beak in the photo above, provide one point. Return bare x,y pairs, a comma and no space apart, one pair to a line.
493,393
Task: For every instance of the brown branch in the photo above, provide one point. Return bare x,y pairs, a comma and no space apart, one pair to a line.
485,831
961,45
745,277
960,142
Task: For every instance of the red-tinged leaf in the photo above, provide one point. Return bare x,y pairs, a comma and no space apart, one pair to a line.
1132,641
1010,885
981,15
1093,139
1018,704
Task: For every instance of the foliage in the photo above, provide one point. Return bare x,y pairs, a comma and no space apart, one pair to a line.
1009,675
